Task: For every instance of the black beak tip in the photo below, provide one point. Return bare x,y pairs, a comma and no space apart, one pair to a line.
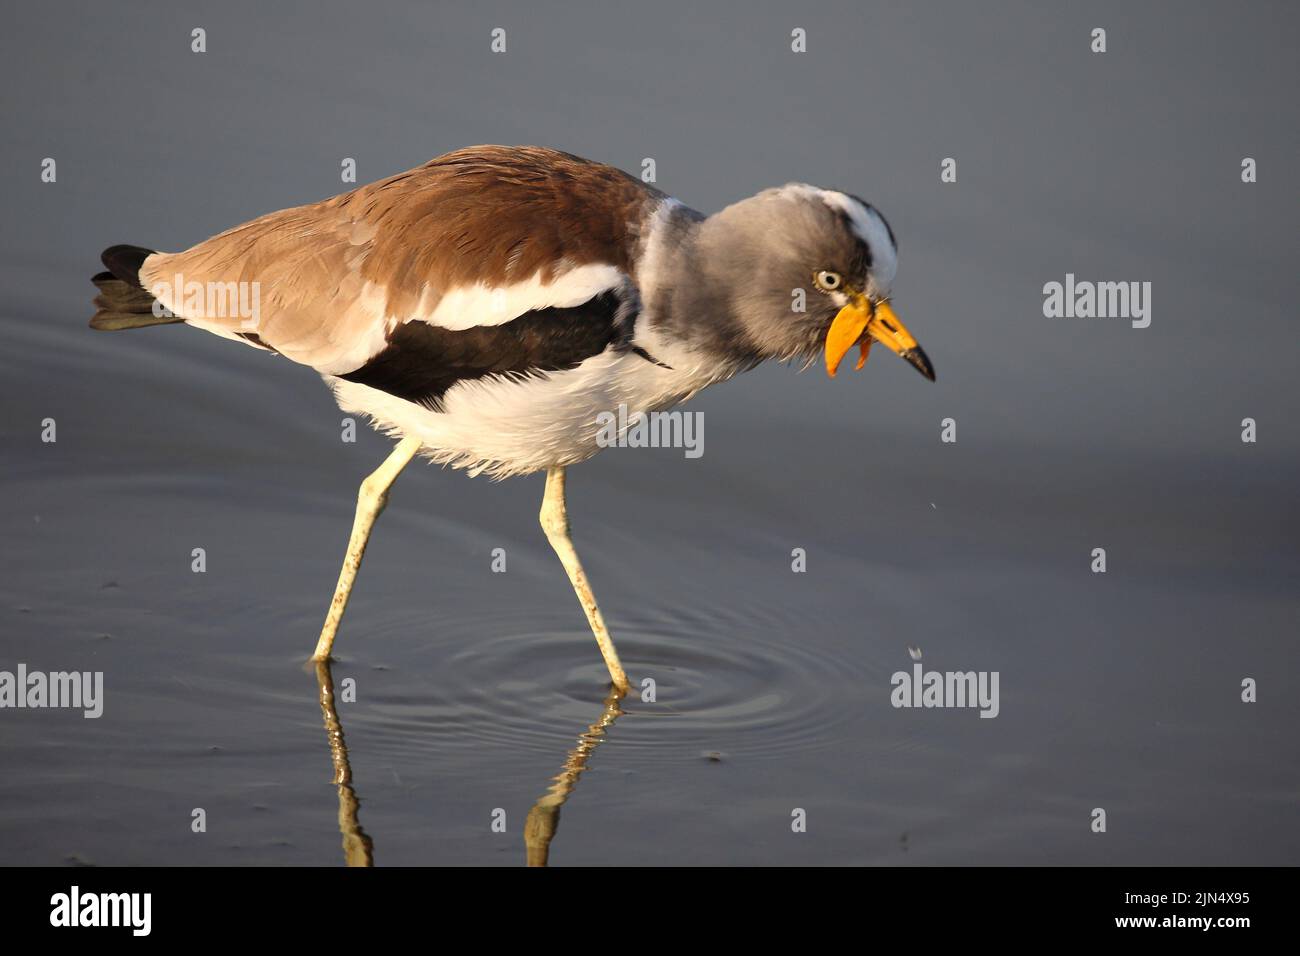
917,358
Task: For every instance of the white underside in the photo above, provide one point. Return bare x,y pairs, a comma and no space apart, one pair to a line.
503,427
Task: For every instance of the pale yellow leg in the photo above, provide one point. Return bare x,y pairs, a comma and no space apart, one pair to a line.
555,522
370,502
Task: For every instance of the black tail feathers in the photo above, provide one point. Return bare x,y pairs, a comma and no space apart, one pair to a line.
123,302
125,262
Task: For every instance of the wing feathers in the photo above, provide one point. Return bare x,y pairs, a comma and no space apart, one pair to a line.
476,237
421,362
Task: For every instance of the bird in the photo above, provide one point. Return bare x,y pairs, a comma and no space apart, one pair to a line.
485,308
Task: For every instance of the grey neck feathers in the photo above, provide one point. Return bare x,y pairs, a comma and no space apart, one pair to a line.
688,300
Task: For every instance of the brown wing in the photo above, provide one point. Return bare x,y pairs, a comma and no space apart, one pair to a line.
334,278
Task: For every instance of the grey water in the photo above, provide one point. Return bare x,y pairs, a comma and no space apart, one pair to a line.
467,720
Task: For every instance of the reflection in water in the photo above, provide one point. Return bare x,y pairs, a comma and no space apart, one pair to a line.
544,818
358,848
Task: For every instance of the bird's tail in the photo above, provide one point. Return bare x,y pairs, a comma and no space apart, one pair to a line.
123,302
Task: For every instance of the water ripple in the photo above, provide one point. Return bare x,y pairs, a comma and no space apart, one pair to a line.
734,680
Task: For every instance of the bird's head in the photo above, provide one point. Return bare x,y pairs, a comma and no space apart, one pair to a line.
807,272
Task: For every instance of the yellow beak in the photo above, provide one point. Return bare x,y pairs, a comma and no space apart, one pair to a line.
860,323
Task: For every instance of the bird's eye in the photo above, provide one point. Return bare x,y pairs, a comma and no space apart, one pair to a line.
828,281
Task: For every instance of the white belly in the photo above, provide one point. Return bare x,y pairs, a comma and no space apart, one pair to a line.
506,427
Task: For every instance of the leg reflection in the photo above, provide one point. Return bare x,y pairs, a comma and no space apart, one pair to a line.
358,848
544,818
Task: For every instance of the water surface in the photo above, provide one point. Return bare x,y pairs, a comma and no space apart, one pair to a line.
479,694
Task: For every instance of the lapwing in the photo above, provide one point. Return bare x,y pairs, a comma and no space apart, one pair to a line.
485,308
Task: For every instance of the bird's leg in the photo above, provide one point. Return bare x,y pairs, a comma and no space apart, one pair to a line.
370,502
555,522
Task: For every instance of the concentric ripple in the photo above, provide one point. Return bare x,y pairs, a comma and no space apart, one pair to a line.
726,681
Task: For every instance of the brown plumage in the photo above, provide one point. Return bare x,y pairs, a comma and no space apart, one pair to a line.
485,214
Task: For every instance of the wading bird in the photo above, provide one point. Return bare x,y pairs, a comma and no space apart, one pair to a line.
487,306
